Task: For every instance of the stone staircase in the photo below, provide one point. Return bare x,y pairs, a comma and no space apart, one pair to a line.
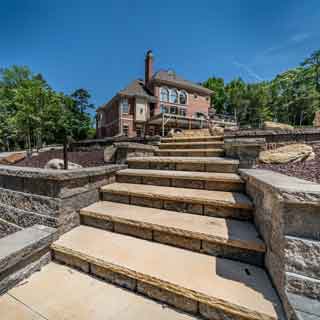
177,229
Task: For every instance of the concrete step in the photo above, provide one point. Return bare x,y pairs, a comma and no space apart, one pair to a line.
192,139
183,179
202,202
204,164
190,152
193,282
237,240
192,145
61,292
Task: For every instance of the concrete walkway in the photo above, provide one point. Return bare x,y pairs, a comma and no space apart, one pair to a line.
60,292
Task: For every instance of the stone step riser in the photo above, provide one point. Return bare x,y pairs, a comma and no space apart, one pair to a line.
194,139
201,167
190,153
183,183
186,207
158,290
182,146
174,237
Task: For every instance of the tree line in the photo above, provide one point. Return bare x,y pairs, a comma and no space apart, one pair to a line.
32,114
291,97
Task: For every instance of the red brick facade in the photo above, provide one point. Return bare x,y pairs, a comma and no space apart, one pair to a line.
118,116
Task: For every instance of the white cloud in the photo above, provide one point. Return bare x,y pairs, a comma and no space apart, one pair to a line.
248,70
299,37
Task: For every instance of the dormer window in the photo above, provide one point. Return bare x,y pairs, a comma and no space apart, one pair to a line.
173,96
164,94
183,97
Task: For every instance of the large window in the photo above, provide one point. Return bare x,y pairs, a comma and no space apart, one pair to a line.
182,112
164,109
125,106
183,97
164,94
173,96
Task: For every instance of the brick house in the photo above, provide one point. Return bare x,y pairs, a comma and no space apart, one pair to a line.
153,106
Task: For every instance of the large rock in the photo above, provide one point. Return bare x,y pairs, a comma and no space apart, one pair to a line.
290,153
12,158
109,154
205,132
58,164
316,121
269,125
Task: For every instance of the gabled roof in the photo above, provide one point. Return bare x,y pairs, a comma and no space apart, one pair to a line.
171,78
137,88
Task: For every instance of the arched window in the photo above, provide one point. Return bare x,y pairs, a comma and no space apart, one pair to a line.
183,97
164,94
173,96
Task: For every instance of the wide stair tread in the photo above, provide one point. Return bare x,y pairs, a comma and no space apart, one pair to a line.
192,139
234,288
236,239
188,175
191,145
185,179
209,197
191,152
204,164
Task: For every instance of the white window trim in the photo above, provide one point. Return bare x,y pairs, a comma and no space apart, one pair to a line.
121,105
177,93
169,95
160,94
186,93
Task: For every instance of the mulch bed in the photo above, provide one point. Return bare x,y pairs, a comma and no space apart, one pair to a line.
308,170
85,159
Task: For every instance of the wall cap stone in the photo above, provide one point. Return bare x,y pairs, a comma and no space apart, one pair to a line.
235,141
291,189
22,244
59,175
134,145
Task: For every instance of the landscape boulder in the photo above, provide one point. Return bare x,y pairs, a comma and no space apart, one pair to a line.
269,125
216,131
58,164
286,154
316,121
12,158
109,154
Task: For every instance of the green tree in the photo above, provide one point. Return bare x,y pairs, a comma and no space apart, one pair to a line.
218,98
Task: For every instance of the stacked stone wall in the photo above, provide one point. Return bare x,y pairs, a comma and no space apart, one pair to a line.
30,196
277,138
287,217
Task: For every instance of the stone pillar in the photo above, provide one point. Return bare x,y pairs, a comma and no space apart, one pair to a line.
245,149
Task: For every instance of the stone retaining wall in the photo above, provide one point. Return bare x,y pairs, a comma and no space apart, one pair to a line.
274,138
287,215
98,144
30,196
24,253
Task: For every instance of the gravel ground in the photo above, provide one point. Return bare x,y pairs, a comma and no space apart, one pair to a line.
308,170
85,159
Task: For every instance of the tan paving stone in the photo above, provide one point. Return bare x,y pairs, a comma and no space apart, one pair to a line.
60,292
196,196
235,233
12,309
237,288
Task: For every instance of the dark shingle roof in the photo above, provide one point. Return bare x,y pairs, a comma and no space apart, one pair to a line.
137,89
170,77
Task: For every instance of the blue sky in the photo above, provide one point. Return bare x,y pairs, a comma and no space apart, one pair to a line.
100,45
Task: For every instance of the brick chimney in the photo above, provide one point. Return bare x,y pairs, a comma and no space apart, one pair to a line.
148,66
